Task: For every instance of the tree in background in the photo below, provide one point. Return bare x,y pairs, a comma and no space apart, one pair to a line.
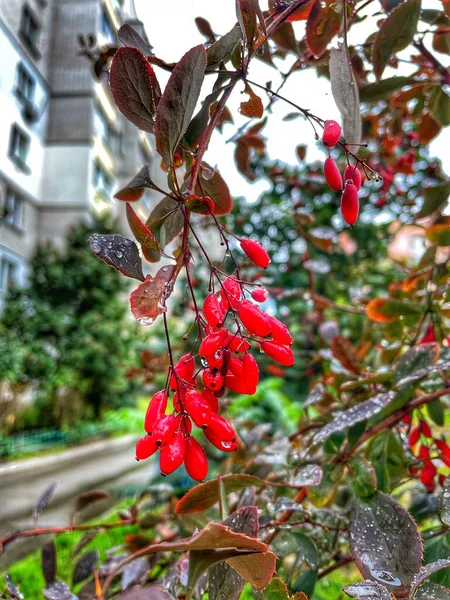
68,334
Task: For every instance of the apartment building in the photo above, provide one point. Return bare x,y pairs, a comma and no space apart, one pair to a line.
64,148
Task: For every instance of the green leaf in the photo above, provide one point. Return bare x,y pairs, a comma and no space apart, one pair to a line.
134,87
85,566
177,104
414,363
364,478
118,252
134,190
432,591
166,221
436,412
426,572
395,34
221,51
441,107
385,543
435,197
276,590
439,234
388,310
383,89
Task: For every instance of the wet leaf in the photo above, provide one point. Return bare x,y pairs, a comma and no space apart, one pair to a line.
150,592
134,572
434,197
88,498
12,589
445,502
367,590
146,301
85,566
382,89
387,310
142,234
134,87
44,499
316,395
118,252
48,562
249,15
345,93
225,582
222,50
253,107
216,188
356,414
324,22
59,591
385,542
439,234
415,362
166,221
345,353
178,102
364,477
426,572
432,591
130,37
308,476
276,590
134,190
395,34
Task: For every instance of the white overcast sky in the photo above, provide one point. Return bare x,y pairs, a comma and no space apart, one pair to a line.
171,30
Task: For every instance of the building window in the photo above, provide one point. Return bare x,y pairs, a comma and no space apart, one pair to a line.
107,29
8,273
104,129
25,84
103,182
19,146
29,30
14,209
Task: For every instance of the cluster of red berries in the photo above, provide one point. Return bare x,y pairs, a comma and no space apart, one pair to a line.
229,320
427,471
350,184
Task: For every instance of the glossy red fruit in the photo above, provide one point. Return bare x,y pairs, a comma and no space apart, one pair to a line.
250,373
221,428
231,292
195,459
414,436
224,445
350,204
156,407
215,361
145,447
164,428
211,400
186,425
332,174
424,452
198,408
212,379
279,353
235,384
172,454
425,429
236,343
353,174
202,205
256,253
444,449
280,333
429,336
236,367
212,342
253,319
260,294
185,369
214,311
331,133
427,476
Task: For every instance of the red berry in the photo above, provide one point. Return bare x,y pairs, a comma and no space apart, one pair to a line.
211,400
424,452
235,384
213,379
156,407
332,174
214,311
225,446
185,369
145,447
427,476
414,436
215,361
198,408
256,253
172,454
213,342
186,425
164,428
353,174
195,459
236,367
260,294
331,133
221,428
350,204
281,354
250,373
429,336
236,343
231,292
444,449
425,429
280,333
253,319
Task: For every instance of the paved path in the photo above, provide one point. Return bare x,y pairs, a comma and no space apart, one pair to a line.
100,465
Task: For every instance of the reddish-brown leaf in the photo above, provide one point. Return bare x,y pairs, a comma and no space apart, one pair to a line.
253,107
134,87
248,15
428,128
387,310
146,300
142,234
324,22
345,353
216,188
